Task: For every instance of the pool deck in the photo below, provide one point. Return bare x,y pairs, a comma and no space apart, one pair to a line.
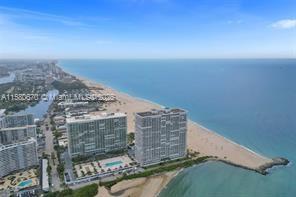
115,163
14,181
26,183
102,166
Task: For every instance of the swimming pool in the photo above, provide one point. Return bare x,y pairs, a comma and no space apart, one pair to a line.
25,183
114,163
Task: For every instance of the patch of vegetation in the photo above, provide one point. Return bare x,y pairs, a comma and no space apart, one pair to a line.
130,138
86,191
80,159
90,190
61,169
48,170
57,134
64,193
15,107
63,86
156,170
13,97
59,150
61,166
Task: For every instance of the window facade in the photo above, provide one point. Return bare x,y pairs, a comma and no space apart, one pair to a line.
160,135
97,136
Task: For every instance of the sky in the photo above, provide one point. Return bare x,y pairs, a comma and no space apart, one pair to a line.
147,29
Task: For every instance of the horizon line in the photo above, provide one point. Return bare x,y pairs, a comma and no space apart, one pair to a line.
148,58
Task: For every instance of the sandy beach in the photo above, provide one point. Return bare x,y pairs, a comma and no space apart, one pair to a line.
199,138
144,187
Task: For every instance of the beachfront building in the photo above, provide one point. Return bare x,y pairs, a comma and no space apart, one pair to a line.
15,134
160,135
18,156
10,121
96,134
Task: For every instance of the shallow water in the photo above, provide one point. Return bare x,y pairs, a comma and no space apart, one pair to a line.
7,79
40,109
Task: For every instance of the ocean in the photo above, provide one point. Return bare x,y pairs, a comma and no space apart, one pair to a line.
250,101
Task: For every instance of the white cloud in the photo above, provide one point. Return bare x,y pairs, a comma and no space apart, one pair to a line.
285,24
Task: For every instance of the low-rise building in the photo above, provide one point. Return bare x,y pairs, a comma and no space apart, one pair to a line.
59,120
69,103
45,183
62,129
63,140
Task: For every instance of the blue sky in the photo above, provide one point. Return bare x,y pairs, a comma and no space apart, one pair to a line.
147,28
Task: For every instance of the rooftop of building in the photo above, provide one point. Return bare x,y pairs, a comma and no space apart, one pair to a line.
91,117
16,128
160,112
45,183
18,115
70,102
25,141
59,118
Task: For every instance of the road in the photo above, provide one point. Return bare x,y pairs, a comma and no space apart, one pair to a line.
49,149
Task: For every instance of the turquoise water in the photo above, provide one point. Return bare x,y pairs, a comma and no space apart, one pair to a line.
252,102
114,163
25,183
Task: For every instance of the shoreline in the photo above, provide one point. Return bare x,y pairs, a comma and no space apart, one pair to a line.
144,187
229,140
199,138
171,178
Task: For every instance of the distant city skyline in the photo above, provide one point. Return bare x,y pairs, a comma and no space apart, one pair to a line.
148,29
